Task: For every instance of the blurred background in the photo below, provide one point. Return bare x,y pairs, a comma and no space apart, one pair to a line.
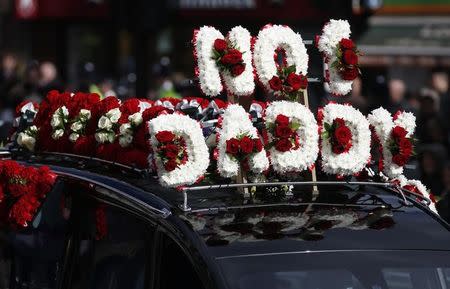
142,48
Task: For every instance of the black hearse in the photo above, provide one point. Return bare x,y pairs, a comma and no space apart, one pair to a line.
106,225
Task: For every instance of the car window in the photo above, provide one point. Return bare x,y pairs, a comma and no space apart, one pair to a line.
33,257
112,248
176,270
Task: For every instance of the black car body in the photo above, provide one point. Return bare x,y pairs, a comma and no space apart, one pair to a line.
109,226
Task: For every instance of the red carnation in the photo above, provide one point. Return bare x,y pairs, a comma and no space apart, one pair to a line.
283,132
232,146
171,151
220,45
349,74
398,132
170,165
350,57
246,145
238,69
233,56
283,145
258,145
399,159
282,120
346,43
342,134
406,147
295,81
275,83
165,136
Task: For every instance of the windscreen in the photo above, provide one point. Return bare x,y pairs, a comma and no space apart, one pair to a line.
339,270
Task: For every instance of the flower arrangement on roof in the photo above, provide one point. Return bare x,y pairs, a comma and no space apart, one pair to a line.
288,84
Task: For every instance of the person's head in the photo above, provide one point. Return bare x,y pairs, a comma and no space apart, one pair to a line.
429,163
9,63
429,101
48,72
397,90
439,80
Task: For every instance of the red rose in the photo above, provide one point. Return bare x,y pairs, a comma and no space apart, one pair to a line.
283,145
220,45
406,147
283,132
339,122
232,146
294,80
399,160
233,56
171,151
246,145
303,82
238,69
349,74
275,83
350,57
258,145
398,132
165,136
343,135
346,43
170,165
282,120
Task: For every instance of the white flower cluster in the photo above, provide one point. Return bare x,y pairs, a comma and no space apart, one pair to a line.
79,124
332,33
305,156
27,138
126,130
356,158
382,122
58,122
208,72
105,128
236,122
196,149
269,39
420,187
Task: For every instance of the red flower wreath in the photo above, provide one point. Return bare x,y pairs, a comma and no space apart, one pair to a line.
284,134
243,146
400,146
347,59
171,149
228,57
340,136
287,83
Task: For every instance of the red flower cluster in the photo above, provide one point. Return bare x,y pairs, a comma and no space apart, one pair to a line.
347,59
340,136
243,146
21,191
171,149
228,57
400,146
284,133
288,83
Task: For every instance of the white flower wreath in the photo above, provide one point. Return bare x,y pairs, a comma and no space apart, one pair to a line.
236,122
302,158
327,43
196,149
354,160
269,39
383,123
207,70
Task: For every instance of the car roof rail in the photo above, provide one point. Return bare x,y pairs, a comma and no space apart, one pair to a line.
394,188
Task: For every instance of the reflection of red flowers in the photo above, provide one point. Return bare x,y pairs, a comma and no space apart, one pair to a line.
283,132
346,43
165,136
282,120
350,57
350,74
233,56
238,69
283,145
220,45
246,145
232,146
275,83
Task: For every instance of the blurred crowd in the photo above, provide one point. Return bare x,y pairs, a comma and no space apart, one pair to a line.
431,105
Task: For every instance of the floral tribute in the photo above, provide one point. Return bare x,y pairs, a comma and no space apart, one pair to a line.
171,150
287,80
417,187
345,139
242,147
22,190
292,136
224,59
340,56
288,84
393,135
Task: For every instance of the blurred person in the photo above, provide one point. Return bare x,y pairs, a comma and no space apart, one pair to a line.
356,98
106,87
8,80
431,163
430,127
397,93
440,84
48,78
443,204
